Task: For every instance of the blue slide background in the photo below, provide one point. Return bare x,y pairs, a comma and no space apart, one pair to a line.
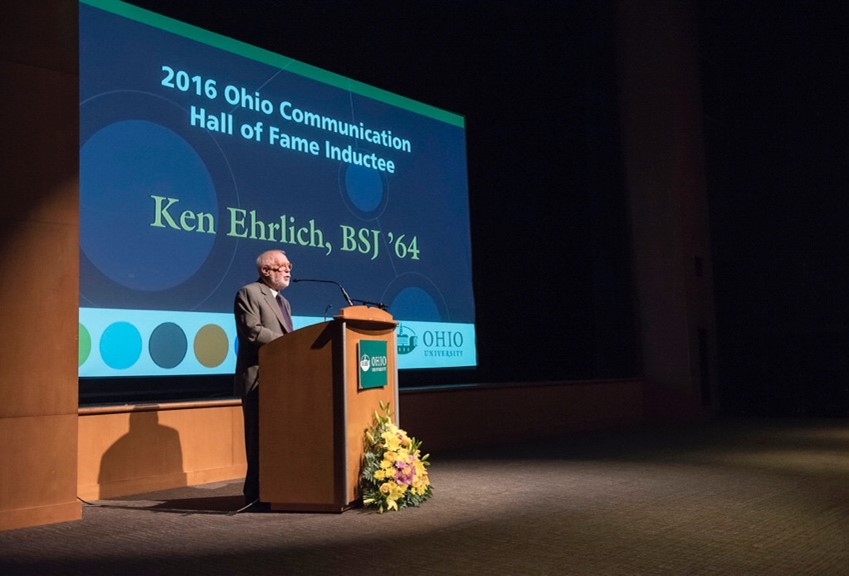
137,141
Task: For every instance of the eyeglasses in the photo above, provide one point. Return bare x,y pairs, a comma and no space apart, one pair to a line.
281,268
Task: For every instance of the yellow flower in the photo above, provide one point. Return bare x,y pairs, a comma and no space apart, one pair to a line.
390,441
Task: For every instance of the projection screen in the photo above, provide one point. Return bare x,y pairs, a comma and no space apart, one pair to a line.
198,152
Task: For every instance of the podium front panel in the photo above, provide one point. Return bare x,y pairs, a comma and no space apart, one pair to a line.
313,415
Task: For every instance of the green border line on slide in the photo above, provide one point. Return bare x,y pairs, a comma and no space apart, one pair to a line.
272,59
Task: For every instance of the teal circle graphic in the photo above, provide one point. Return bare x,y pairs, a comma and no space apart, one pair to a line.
120,345
167,345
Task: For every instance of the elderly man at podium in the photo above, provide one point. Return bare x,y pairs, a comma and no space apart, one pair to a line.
262,314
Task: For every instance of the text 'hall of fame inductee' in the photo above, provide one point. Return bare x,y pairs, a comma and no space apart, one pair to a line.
262,315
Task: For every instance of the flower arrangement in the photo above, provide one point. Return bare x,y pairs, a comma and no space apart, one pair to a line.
394,473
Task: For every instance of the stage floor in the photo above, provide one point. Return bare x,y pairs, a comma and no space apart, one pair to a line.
767,497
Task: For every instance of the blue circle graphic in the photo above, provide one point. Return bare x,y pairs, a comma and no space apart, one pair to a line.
415,304
148,206
364,188
168,345
120,345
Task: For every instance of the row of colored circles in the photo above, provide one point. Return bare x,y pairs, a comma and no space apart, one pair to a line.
120,345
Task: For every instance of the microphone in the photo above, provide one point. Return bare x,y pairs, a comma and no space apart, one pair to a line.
344,293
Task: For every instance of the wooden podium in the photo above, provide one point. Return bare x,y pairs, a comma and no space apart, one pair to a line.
314,413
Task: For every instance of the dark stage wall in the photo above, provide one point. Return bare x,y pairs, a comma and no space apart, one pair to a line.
776,117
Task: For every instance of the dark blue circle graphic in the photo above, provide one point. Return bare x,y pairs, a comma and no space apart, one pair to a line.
148,206
120,345
168,345
364,187
415,304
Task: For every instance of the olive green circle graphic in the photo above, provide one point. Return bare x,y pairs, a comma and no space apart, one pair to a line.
84,345
211,345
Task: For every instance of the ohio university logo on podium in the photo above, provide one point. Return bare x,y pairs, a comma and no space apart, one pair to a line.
373,363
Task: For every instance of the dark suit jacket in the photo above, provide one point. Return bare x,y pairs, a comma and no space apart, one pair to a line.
258,322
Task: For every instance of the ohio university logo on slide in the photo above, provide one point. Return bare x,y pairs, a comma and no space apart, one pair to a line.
407,340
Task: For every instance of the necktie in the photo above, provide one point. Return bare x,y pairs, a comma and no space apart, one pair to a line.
287,318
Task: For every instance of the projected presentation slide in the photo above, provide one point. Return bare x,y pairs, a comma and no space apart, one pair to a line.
198,152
